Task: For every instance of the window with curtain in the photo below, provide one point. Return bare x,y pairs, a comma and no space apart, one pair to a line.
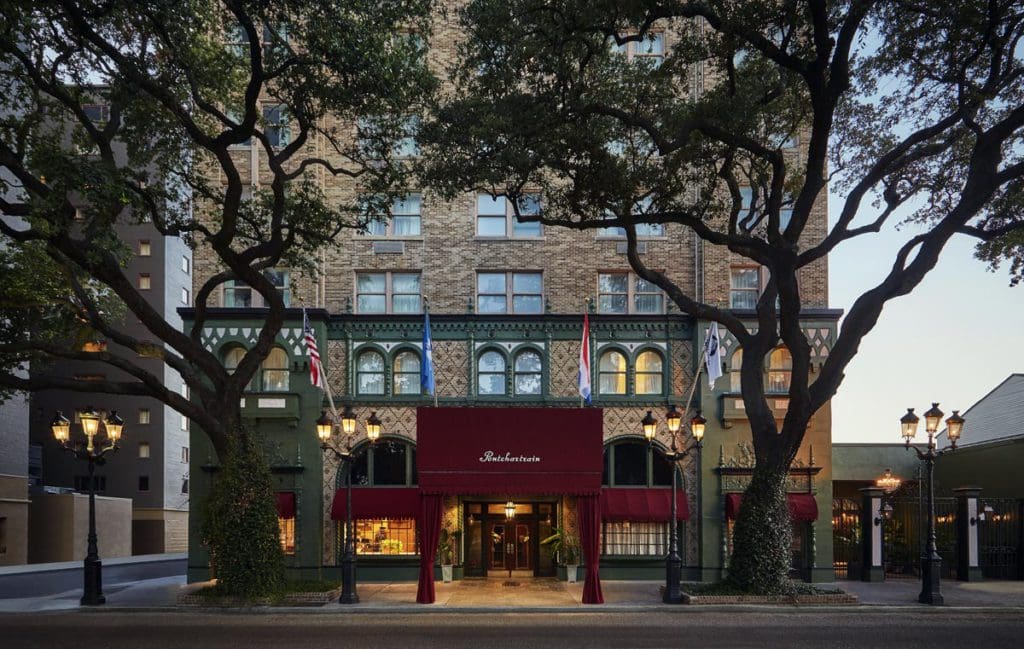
527,369
780,370
274,371
491,374
649,374
370,373
634,539
232,357
406,373
735,366
611,370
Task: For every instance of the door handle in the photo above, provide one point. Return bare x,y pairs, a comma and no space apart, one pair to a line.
509,548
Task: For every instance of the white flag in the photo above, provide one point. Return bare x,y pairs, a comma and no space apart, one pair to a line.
713,354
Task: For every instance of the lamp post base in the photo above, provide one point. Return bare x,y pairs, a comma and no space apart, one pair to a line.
673,575
92,594
348,581
931,570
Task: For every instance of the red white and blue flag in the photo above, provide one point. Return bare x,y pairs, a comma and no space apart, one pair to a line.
316,370
584,377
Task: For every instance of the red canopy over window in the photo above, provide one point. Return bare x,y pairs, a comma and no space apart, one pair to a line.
802,506
378,502
642,505
286,504
509,450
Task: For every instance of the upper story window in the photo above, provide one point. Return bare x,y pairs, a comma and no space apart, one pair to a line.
495,217
145,249
627,293
528,376
613,370
490,376
275,41
509,292
651,48
780,370
238,294
527,366
276,130
406,373
748,216
274,371
388,292
372,143
649,373
98,114
744,287
735,365
636,464
642,229
235,117
390,462
370,373
405,219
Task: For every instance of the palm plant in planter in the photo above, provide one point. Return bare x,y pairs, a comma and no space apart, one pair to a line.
446,548
567,548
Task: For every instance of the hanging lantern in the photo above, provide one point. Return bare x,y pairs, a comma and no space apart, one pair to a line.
510,510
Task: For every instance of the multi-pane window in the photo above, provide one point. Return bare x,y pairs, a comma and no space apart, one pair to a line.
780,370
634,539
238,294
627,293
735,367
275,41
642,229
274,371
98,114
649,373
388,292
386,536
527,370
495,217
749,215
650,48
389,462
276,130
406,373
509,292
405,146
636,464
612,373
404,222
370,373
744,287
232,357
491,373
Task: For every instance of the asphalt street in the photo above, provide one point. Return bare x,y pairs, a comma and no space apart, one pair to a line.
895,629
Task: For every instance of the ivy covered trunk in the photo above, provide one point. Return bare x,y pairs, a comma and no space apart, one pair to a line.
240,523
762,534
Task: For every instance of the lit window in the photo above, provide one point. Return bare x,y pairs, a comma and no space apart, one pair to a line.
406,376
143,415
145,250
145,283
649,373
735,365
527,371
780,370
143,450
389,536
274,371
286,530
405,219
388,292
491,373
634,539
744,287
612,373
526,294
370,373
495,217
627,293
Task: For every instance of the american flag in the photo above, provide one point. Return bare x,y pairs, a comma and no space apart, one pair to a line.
316,372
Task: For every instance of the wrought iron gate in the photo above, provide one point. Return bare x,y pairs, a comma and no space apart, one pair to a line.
905,535
845,536
1001,539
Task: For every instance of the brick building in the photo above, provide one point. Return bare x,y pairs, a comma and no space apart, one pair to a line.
506,303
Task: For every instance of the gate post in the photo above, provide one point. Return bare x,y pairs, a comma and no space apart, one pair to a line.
871,527
967,521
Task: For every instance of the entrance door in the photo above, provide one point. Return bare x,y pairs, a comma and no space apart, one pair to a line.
494,543
511,544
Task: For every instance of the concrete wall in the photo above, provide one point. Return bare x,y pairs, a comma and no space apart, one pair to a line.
13,519
867,462
59,526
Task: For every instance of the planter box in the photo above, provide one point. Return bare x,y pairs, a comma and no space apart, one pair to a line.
823,599
318,598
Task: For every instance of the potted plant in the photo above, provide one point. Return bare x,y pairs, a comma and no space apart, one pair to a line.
446,548
567,548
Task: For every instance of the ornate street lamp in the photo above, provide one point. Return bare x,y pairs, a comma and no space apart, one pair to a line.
674,562
931,562
324,429
92,594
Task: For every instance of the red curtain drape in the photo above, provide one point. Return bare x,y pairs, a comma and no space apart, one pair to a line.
588,514
430,532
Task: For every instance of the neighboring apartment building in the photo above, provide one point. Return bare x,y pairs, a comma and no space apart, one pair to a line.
14,481
506,303
152,466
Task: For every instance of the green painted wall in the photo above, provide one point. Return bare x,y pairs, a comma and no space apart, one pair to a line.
993,466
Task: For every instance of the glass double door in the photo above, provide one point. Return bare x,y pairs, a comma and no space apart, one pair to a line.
511,545
496,544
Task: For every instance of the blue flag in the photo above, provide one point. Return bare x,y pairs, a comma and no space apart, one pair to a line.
427,366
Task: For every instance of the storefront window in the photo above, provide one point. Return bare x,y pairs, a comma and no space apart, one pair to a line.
386,536
627,538
286,528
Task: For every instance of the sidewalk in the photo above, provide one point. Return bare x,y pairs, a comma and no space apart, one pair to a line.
538,595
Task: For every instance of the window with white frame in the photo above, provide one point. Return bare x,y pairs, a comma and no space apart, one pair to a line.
405,377
780,370
405,219
370,372
496,217
526,367
405,146
238,294
642,229
186,264
98,114
509,292
627,293
611,373
490,376
650,48
388,292
274,371
649,373
185,297
744,287
275,128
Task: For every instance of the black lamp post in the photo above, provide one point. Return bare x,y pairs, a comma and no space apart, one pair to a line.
673,562
931,562
92,592
324,429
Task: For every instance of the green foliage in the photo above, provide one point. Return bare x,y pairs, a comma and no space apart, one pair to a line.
447,545
239,525
761,537
565,545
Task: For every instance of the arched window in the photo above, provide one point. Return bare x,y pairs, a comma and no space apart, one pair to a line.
636,464
649,373
274,371
611,369
527,368
370,373
406,373
232,357
491,373
780,370
734,371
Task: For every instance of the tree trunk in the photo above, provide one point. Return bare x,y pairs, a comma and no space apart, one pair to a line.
762,534
240,521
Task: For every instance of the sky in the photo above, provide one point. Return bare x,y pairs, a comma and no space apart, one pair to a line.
952,340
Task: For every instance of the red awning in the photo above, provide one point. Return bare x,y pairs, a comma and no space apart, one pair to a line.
509,451
286,504
802,506
642,505
378,502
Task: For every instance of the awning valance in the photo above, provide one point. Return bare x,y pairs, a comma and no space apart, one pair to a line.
286,504
509,451
642,505
378,502
802,506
